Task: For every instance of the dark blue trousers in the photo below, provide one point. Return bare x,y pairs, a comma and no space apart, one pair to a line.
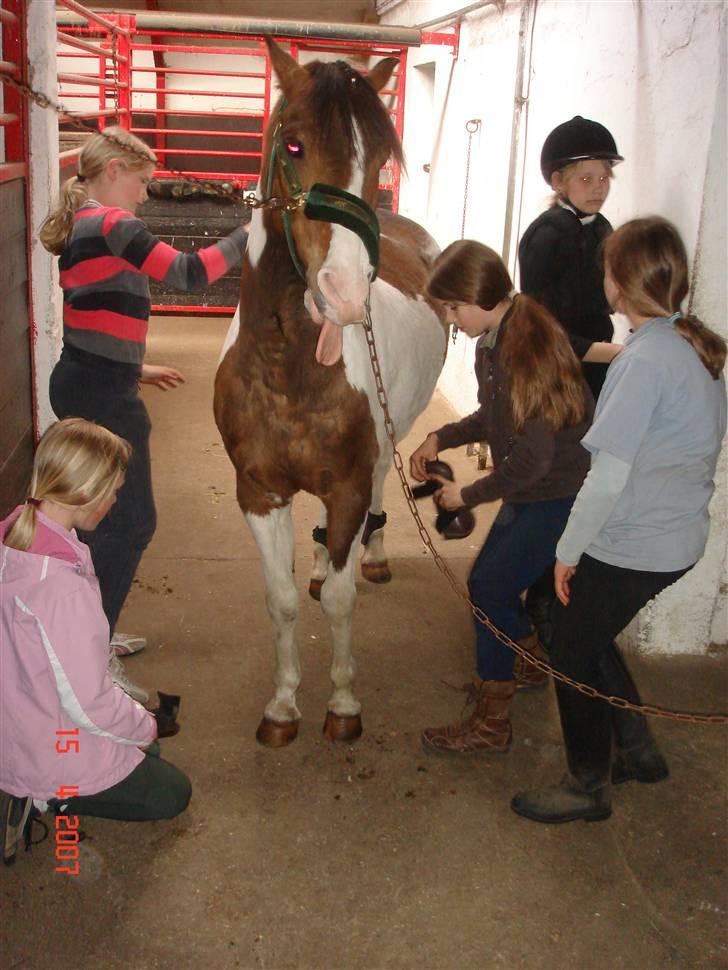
519,547
87,386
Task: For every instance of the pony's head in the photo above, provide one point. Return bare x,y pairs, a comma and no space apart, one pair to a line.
330,127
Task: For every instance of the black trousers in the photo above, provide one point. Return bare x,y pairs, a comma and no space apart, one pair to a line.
603,600
87,386
154,789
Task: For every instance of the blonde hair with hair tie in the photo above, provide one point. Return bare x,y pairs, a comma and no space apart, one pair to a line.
99,150
77,465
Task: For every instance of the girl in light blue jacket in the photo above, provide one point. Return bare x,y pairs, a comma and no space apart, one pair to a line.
640,521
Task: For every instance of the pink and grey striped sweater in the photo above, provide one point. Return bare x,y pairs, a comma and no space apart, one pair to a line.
105,269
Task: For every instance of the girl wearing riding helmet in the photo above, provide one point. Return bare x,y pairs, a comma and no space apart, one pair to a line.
560,267
559,252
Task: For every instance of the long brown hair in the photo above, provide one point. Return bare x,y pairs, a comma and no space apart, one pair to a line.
99,150
545,376
646,259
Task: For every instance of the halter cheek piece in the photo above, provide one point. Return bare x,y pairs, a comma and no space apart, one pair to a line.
323,203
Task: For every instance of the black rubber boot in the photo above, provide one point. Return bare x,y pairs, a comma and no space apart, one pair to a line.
585,792
567,802
637,757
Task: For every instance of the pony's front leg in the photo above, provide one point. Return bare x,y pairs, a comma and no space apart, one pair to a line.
374,565
338,596
274,536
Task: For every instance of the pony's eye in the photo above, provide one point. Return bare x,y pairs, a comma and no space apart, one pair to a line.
294,149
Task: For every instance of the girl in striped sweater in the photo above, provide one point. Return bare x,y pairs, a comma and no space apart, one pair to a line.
106,258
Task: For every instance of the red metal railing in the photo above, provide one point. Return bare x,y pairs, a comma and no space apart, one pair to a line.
13,161
111,60
99,54
200,102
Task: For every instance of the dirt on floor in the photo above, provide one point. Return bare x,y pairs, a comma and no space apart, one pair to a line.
372,855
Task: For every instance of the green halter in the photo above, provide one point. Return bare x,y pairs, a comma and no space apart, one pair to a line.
324,203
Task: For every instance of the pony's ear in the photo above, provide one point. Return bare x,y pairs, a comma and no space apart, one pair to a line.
288,72
381,72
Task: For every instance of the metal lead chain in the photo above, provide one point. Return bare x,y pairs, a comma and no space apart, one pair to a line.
648,709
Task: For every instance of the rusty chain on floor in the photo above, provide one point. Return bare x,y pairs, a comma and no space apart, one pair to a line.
290,204
648,709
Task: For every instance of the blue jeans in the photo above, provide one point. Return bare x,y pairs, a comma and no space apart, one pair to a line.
87,386
519,547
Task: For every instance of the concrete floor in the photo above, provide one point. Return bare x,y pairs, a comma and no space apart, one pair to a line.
375,855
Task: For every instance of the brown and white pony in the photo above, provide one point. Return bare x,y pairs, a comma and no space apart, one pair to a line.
295,399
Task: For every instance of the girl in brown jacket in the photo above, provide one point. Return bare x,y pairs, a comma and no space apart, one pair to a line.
534,409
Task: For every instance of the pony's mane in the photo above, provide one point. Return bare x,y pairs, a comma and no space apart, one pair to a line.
339,98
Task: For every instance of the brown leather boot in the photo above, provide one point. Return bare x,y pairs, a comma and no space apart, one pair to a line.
486,731
526,674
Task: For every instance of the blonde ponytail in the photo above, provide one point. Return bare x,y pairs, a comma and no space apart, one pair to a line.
21,533
56,228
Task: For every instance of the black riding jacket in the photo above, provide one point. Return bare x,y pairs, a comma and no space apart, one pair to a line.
561,268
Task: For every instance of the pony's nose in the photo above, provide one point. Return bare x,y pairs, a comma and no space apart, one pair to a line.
345,295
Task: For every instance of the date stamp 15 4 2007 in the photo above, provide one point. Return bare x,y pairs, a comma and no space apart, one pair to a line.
67,825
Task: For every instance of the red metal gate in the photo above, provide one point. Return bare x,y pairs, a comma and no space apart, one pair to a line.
200,98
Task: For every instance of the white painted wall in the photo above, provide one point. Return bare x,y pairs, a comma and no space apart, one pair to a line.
652,71
46,295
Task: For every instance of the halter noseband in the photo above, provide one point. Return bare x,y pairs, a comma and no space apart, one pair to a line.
323,203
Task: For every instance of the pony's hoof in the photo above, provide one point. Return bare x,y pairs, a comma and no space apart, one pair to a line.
342,727
314,589
376,572
276,734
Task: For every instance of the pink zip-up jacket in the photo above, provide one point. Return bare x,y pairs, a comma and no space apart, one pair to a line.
54,677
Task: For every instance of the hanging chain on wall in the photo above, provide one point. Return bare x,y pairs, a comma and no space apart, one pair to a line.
471,127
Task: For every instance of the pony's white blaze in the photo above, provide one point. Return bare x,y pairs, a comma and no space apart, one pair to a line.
343,279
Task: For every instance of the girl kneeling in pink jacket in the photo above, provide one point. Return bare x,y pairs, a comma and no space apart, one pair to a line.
68,735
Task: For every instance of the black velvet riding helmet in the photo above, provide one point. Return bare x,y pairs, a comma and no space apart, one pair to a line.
576,141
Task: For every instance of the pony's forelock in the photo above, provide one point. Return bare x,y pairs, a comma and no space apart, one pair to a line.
342,101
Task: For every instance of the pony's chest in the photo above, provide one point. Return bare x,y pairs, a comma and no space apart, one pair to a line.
283,394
